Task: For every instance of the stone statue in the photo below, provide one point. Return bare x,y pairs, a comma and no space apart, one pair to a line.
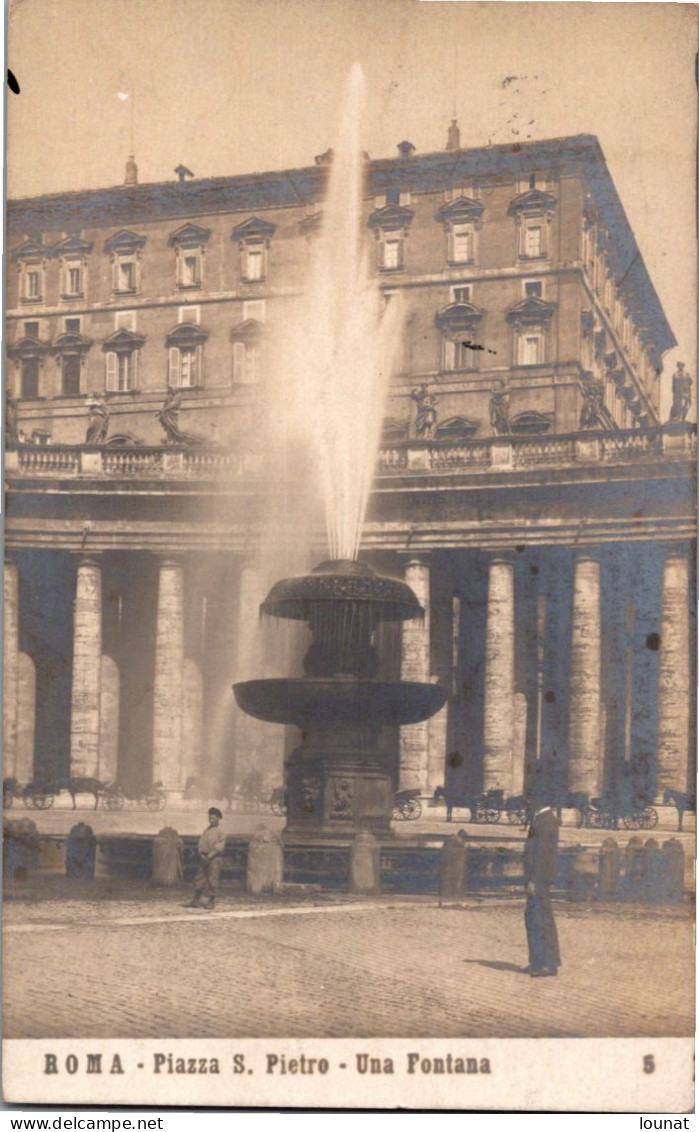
98,422
11,435
591,411
426,416
500,413
169,417
681,393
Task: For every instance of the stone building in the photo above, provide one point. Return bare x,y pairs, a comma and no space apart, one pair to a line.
526,486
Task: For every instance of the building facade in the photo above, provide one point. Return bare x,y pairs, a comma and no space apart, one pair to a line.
526,487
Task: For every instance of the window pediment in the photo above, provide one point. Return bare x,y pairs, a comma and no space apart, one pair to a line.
254,229
535,201
124,242
123,341
72,245
462,209
457,428
189,236
458,316
186,334
28,348
31,249
530,423
394,430
391,217
71,344
531,312
252,328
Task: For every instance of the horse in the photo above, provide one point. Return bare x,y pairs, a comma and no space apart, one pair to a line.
682,802
74,786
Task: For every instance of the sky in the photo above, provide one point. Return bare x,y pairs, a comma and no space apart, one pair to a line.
238,86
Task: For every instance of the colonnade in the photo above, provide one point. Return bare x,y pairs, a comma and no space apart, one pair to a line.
178,681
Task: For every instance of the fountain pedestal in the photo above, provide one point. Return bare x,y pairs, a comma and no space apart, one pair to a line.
337,781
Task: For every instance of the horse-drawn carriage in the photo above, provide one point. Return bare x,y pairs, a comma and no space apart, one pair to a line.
487,807
41,793
605,812
115,797
406,805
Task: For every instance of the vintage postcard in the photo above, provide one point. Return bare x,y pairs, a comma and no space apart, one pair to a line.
349,576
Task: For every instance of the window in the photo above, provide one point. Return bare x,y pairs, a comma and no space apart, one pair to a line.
33,283
122,368
533,289
254,237
190,271
70,375
391,255
30,377
72,325
247,362
253,263
461,244
189,243
31,329
530,349
184,366
190,315
125,275
461,294
71,279
256,309
533,243
457,354
125,320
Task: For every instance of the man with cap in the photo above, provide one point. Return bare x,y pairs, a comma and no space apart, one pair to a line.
210,849
539,874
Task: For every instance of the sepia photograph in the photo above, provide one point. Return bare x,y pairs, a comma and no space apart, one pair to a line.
349,634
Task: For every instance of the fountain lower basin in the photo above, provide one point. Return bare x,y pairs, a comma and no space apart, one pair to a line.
304,701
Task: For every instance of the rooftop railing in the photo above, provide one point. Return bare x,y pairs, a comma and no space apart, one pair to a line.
406,457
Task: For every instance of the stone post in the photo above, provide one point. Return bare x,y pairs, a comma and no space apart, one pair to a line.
87,669
498,708
10,668
585,677
167,689
674,677
415,665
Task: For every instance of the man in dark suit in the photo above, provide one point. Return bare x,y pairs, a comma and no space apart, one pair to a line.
539,874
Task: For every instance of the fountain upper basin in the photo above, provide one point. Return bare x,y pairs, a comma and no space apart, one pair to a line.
305,700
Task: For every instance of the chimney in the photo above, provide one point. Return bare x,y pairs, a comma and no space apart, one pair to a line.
453,136
131,177
183,173
406,149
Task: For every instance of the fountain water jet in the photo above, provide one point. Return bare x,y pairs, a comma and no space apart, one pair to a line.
337,780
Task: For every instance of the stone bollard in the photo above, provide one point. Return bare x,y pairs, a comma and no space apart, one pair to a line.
168,855
634,869
673,869
81,850
365,864
655,872
21,848
265,862
452,865
609,869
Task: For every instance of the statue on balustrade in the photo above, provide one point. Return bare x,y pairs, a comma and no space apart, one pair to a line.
11,435
681,393
169,417
500,412
591,411
426,415
98,421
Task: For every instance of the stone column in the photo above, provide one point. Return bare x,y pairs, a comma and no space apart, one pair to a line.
10,668
584,732
519,742
87,668
192,720
415,665
167,688
109,720
674,693
498,707
26,718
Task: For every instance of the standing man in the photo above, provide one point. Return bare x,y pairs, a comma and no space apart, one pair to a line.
539,874
210,849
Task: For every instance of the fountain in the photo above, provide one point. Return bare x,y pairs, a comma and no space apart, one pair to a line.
335,379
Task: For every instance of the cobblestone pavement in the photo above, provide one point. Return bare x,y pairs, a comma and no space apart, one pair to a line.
128,961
